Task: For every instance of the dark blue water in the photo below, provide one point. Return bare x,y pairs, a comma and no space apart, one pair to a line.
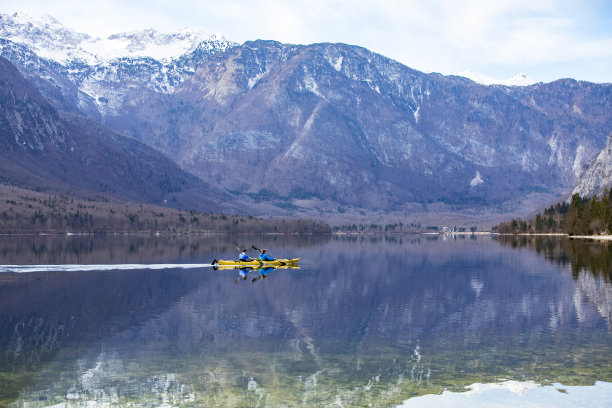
365,320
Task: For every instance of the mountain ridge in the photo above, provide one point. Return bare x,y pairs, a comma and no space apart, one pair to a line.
409,101
337,129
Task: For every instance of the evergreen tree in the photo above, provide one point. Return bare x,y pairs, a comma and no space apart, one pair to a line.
539,224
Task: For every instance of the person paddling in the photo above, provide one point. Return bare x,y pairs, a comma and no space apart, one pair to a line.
244,256
263,256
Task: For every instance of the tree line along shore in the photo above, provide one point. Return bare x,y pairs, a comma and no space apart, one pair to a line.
582,216
26,211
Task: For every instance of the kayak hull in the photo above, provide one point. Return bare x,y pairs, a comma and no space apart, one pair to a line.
277,262
256,268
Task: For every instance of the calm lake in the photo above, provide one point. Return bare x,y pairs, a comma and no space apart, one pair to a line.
408,320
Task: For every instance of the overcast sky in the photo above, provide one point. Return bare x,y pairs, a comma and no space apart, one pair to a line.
545,39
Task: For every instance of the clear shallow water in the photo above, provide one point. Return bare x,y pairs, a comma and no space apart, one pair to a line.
365,320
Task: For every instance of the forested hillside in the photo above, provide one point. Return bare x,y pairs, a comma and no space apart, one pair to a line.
582,216
26,211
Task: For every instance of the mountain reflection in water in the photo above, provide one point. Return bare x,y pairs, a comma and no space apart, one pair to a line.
366,320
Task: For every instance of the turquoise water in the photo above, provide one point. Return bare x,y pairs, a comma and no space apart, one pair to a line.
365,321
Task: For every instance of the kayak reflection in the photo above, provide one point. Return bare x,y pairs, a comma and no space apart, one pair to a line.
262,272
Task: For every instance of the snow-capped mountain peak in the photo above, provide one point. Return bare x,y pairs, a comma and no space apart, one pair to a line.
50,39
517,80
102,68
44,20
149,43
44,35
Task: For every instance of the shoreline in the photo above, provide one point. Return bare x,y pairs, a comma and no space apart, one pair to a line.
559,234
200,233
150,233
597,237
525,234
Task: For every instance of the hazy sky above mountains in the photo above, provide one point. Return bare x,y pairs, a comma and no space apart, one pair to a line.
546,39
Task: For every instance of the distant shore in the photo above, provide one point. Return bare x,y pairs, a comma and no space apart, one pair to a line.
526,234
597,237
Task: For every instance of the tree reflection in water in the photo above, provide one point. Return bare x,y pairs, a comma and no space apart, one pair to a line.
583,255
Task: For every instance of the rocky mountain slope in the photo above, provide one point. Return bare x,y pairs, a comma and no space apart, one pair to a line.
336,128
53,151
597,174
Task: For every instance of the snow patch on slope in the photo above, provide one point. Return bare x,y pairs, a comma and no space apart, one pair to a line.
336,62
556,155
311,85
416,114
476,180
578,161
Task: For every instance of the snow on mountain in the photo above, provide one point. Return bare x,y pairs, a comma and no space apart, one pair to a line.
49,39
361,130
517,80
106,71
150,43
598,173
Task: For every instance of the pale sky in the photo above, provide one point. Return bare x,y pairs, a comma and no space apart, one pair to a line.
545,39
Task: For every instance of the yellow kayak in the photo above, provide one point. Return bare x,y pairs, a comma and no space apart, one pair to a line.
227,267
257,262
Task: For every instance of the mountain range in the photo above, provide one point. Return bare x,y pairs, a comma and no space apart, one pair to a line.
60,152
332,130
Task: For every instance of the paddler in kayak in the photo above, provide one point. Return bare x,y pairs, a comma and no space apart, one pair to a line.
263,256
244,256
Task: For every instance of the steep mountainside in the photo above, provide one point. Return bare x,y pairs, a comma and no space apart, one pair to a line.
338,124
335,127
44,149
597,174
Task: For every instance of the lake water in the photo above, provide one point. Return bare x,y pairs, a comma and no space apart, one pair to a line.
406,320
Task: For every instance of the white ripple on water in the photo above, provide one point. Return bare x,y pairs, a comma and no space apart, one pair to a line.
103,267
